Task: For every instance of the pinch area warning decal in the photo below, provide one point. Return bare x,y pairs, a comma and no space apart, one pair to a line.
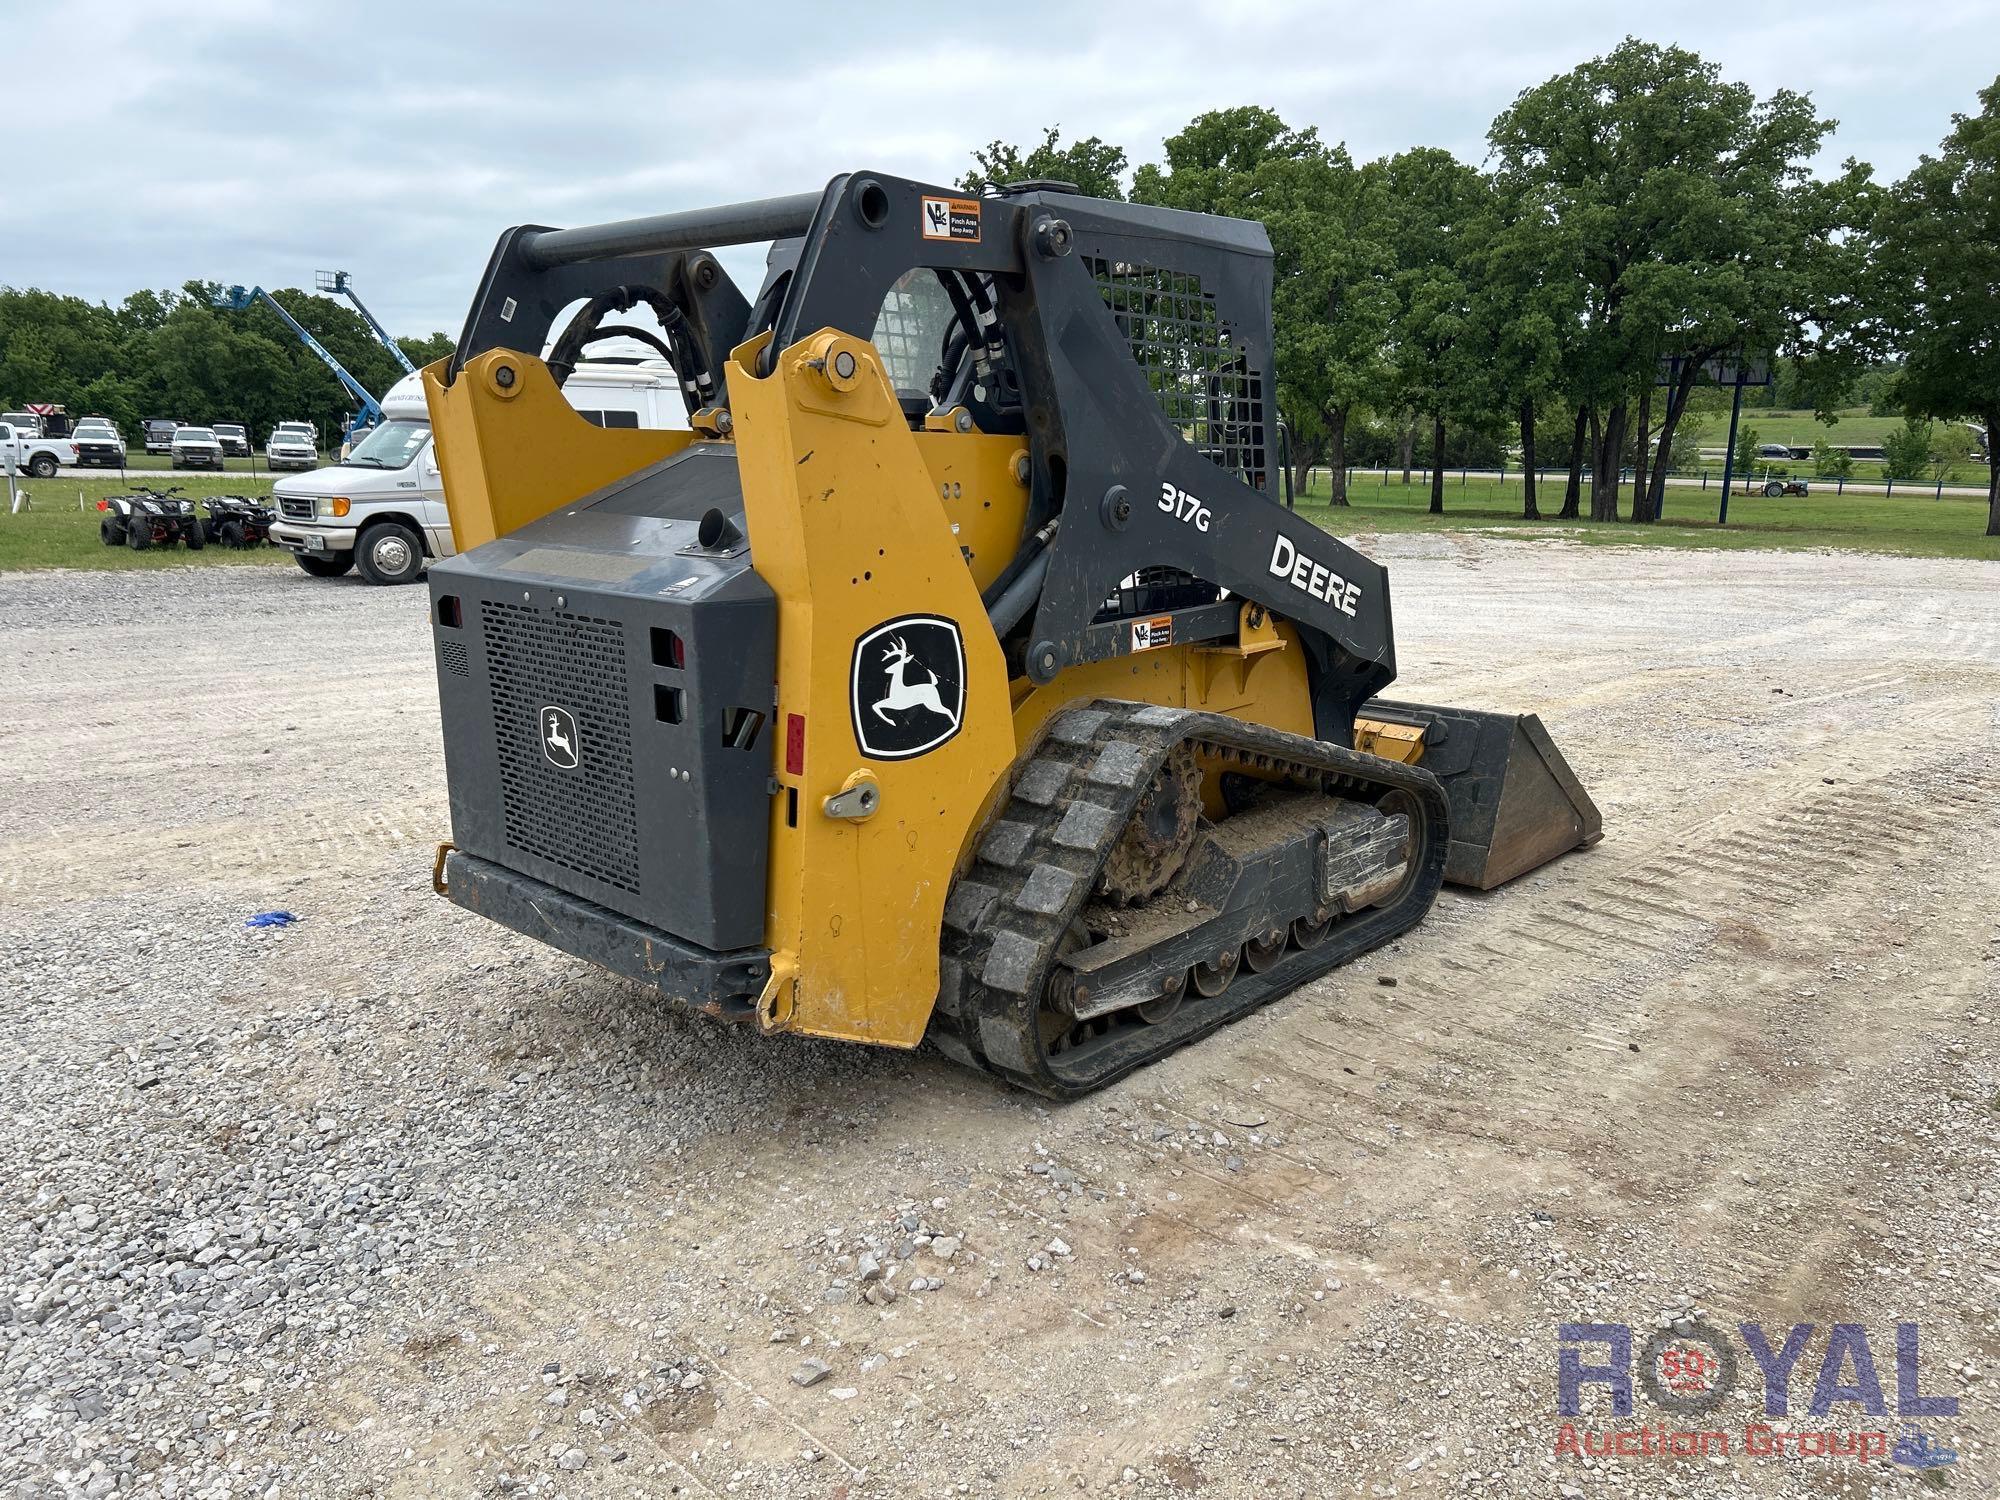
1150,635
951,219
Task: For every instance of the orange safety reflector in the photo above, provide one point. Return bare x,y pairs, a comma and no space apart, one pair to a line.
795,744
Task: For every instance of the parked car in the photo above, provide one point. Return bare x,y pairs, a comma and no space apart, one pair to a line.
26,423
98,442
195,448
32,453
303,429
159,432
234,439
289,448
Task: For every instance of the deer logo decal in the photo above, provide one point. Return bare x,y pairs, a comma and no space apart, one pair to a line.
559,737
908,686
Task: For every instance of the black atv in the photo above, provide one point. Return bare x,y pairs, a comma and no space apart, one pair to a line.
238,521
151,517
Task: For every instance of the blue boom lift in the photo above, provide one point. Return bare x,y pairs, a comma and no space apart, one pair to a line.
237,298
337,281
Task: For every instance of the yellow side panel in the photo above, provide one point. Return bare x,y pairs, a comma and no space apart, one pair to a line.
848,532
510,449
1263,686
1260,678
980,481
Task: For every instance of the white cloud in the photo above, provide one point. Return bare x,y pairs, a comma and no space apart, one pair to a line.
258,141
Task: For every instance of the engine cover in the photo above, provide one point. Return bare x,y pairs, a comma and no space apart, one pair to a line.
605,680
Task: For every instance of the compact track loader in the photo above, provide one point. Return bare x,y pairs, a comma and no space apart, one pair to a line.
961,674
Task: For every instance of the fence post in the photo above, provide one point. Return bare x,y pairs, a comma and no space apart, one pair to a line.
1839,483
1704,479
1888,489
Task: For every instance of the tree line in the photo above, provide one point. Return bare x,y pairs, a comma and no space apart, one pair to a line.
177,355
1636,219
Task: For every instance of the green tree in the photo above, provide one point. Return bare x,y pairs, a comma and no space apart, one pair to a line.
1331,303
427,350
1439,218
1689,224
1830,462
1747,441
1906,450
1949,444
1684,456
1936,242
1096,166
1522,305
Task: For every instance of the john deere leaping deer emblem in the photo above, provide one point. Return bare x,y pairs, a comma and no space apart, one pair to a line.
559,737
906,694
908,686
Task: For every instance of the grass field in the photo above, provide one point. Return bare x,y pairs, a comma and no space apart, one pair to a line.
1803,429
137,462
55,533
1924,527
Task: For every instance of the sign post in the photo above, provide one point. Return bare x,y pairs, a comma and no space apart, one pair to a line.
1732,370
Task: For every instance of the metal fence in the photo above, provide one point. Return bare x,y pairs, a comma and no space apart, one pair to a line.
1695,479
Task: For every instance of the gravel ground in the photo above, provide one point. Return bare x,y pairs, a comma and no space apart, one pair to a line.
390,1202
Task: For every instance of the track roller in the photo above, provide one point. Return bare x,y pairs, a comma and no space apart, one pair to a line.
1061,980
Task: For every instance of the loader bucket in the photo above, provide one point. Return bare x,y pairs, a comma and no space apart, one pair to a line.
1515,803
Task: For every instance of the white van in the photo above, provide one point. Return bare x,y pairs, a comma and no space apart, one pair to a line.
381,509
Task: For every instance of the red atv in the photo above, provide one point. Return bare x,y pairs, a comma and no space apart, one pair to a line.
238,521
150,517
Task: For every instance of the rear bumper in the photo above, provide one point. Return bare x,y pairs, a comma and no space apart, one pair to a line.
717,984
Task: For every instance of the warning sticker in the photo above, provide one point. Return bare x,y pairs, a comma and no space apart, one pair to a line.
1150,635
952,219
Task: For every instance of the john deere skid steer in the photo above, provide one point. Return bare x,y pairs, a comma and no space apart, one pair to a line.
961,674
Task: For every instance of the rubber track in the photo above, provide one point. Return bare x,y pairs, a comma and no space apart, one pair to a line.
1039,859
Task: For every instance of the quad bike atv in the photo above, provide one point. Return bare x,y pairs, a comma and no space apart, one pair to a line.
148,518
238,521
960,674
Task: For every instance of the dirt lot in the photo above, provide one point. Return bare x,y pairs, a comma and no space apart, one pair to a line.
390,1202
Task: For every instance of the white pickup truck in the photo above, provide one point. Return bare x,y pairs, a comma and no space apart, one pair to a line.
26,452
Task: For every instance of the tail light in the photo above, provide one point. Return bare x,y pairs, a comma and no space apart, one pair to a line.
795,744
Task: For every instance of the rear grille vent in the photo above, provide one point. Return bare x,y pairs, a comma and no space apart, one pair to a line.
455,660
584,819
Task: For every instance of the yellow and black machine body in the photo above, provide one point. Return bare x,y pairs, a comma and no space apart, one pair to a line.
960,674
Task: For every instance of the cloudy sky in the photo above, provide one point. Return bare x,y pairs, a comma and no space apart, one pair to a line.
258,140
